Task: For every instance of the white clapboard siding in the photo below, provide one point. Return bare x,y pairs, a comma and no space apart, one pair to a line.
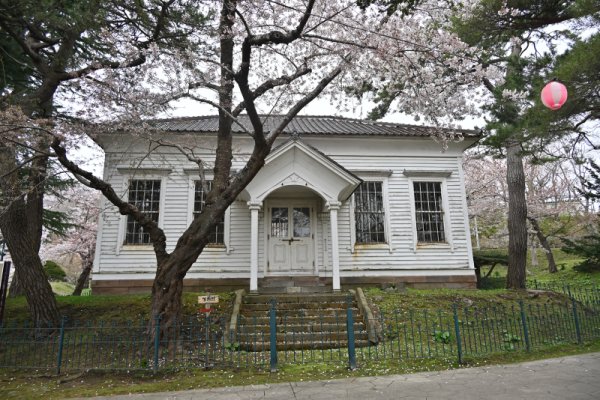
402,255
399,256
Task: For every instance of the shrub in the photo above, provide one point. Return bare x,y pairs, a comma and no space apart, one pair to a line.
501,253
587,247
54,272
490,257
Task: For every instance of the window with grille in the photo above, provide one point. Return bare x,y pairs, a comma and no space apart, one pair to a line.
369,214
429,213
217,236
145,195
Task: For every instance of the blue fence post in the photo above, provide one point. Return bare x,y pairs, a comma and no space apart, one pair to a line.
525,327
576,319
61,342
207,340
156,342
457,332
350,330
273,334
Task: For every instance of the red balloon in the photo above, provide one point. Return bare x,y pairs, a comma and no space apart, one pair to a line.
554,95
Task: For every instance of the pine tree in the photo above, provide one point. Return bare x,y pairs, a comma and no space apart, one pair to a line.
493,27
588,246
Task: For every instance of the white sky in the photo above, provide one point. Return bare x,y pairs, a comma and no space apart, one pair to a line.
319,106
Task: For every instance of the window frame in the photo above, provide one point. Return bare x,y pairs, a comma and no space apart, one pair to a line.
218,247
155,175
448,243
382,177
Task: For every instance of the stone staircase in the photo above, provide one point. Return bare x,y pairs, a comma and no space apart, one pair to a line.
297,284
306,321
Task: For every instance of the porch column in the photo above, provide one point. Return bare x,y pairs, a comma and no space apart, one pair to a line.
254,208
334,206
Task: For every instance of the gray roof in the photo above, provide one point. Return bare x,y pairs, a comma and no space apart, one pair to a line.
309,125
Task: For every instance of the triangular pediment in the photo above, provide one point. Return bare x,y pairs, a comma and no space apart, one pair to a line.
296,163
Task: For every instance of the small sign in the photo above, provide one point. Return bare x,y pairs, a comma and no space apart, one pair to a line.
209,299
205,310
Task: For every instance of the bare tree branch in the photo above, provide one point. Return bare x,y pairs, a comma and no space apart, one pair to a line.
156,233
302,103
270,84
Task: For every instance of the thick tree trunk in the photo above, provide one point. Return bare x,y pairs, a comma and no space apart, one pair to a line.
545,245
517,217
83,277
21,226
22,203
16,287
42,304
167,290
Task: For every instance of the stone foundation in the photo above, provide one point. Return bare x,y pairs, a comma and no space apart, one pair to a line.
108,287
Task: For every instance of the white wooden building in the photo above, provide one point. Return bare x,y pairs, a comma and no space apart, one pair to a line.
340,202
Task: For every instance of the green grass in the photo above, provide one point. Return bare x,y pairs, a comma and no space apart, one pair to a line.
413,299
62,288
137,307
35,384
110,308
565,274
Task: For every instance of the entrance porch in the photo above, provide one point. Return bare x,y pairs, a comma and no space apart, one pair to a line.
298,194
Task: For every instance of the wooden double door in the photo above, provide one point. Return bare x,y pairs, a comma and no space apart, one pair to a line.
290,238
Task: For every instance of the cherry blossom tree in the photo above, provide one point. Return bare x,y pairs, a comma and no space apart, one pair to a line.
267,57
554,202
255,57
487,196
80,238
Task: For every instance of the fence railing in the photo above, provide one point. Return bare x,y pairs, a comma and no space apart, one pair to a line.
588,295
204,342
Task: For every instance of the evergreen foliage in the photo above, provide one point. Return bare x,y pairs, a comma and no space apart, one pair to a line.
591,187
54,271
587,247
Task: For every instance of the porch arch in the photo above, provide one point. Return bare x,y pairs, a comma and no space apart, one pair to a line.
296,163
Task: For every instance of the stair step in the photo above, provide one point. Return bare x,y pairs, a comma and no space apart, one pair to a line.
304,321
291,346
303,337
290,298
294,306
300,313
286,281
316,326
295,289
339,319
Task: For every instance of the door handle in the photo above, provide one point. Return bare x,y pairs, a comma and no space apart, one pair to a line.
290,240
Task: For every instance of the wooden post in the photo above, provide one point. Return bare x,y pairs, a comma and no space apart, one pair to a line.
335,256
254,207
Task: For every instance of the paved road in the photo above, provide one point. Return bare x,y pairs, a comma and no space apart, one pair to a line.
573,378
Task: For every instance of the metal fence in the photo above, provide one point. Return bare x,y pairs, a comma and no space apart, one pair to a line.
205,342
588,295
